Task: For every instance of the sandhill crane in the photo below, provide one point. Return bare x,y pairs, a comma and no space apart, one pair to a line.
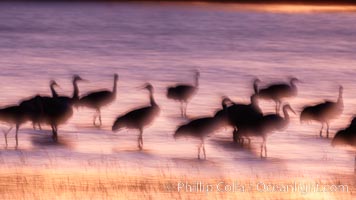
36,112
139,118
201,128
265,126
324,112
347,136
277,91
243,116
13,115
56,110
74,99
98,99
183,93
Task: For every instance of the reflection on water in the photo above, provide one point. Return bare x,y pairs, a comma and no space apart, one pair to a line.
287,8
162,44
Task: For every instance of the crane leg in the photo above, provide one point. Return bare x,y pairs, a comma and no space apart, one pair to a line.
355,165
321,130
140,140
16,135
99,113
265,147
235,136
185,109
38,124
94,118
327,129
199,150
54,133
204,150
181,109
5,135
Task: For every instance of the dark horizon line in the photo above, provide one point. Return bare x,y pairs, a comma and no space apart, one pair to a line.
303,2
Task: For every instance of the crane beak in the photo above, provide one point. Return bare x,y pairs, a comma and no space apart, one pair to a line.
56,84
142,87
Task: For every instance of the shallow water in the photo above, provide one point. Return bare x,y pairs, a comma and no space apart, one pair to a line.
163,44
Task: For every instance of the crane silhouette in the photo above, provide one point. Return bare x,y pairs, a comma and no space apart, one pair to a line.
265,126
346,136
13,115
223,112
277,91
183,93
324,112
139,118
243,116
74,99
201,128
31,109
98,99
56,110
35,111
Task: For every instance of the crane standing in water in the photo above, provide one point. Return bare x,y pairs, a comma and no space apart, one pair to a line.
347,136
243,116
139,118
56,110
324,112
98,99
35,111
13,115
265,126
201,128
277,91
183,93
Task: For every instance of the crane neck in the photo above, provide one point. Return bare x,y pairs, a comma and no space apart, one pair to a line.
54,93
340,99
115,86
152,100
75,90
292,83
255,87
254,102
196,80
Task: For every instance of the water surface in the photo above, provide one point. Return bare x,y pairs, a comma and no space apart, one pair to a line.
163,44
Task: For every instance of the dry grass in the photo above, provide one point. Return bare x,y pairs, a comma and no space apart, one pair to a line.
50,184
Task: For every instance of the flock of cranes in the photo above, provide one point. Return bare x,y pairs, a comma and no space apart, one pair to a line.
247,120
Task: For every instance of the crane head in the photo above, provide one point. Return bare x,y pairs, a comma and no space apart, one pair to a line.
197,73
256,81
341,88
148,86
76,77
294,80
53,83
